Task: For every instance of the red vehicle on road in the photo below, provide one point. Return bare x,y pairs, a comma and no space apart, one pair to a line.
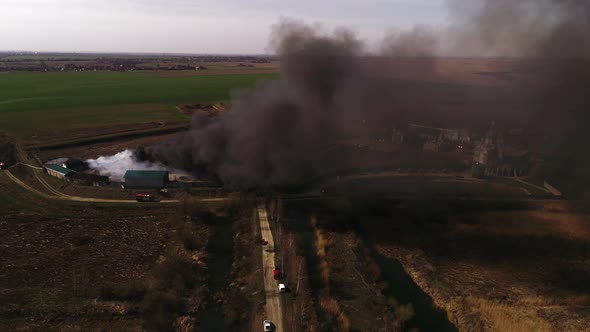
263,241
146,198
276,274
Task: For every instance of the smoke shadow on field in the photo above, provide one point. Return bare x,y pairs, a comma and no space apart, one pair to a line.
402,288
219,265
541,258
456,232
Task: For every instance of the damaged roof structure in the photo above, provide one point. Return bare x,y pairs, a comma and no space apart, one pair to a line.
146,179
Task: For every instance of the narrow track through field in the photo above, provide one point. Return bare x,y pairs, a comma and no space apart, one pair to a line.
273,309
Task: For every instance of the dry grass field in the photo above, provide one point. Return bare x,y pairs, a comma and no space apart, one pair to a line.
497,270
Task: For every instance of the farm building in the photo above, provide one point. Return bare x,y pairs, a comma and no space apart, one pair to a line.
146,179
73,164
59,161
77,165
59,171
90,179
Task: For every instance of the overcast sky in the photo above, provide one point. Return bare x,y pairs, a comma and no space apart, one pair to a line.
192,26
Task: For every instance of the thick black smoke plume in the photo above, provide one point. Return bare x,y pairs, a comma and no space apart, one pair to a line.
421,41
279,134
546,29
555,36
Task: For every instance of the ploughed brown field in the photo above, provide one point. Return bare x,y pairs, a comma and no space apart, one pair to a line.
70,266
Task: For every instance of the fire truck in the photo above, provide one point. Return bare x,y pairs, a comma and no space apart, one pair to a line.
146,198
277,274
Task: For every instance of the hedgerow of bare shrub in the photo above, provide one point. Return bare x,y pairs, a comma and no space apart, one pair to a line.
328,303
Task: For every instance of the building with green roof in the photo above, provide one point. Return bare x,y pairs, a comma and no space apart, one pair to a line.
146,179
59,171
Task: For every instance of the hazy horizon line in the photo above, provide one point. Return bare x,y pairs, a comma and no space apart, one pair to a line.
136,53
181,54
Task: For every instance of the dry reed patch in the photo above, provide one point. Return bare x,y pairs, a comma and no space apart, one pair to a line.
504,318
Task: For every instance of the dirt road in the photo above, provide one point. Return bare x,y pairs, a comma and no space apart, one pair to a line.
55,194
274,312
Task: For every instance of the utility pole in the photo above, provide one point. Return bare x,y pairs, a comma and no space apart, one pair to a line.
298,277
279,229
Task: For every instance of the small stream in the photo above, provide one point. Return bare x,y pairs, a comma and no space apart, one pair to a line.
427,317
219,263
400,285
402,288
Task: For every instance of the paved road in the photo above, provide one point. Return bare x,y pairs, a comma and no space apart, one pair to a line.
274,312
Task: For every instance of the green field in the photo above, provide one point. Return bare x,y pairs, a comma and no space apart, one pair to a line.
44,103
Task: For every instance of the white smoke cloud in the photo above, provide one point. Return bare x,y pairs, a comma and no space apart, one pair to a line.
116,165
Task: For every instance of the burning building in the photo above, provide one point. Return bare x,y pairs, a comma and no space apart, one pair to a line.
69,163
145,179
490,150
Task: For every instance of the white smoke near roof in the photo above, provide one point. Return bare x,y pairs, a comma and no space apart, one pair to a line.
116,165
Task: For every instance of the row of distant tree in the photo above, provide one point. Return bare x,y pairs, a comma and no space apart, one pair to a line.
120,63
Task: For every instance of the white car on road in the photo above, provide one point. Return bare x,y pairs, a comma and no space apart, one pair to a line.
267,326
282,288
